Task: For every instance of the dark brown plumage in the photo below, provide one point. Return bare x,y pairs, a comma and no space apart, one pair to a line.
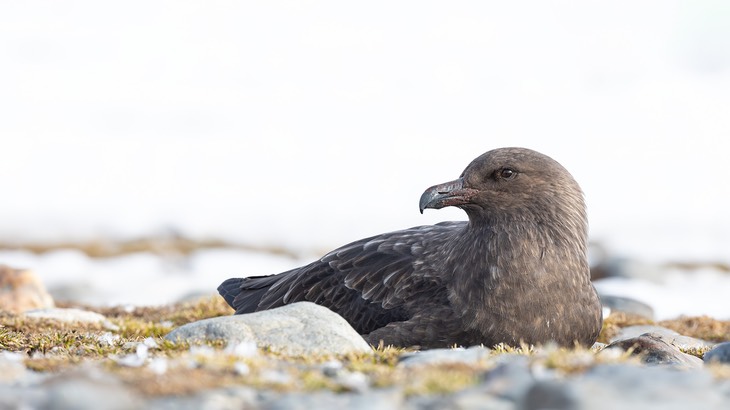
515,272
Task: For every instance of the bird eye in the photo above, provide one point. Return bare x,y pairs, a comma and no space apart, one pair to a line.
507,173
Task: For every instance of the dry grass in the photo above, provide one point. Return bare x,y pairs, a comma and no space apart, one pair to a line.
617,320
54,347
160,245
703,327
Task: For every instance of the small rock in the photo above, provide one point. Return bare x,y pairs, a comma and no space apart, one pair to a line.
472,399
327,400
509,380
550,394
631,387
627,305
22,290
353,381
12,367
71,315
81,389
108,339
302,328
224,399
158,365
233,398
719,354
332,368
654,350
668,335
472,355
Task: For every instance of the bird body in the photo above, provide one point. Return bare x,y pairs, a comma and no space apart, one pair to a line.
516,272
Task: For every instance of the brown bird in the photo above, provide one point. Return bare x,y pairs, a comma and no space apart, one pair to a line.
517,271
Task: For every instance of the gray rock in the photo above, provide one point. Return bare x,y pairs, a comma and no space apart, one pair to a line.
627,386
71,316
654,350
668,335
232,398
12,369
327,400
347,380
719,354
88,388
473,399
302,328
550,394
21,398
472,355
510,379
627,305
631,387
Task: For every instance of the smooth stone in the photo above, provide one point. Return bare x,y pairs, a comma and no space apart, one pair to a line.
627,305
232,398
21,290
718,354
510,379
22,398
472,355
12,368
71,315
550,394
389,399
630,387
668,335
88,388
302,328
473,399
654,350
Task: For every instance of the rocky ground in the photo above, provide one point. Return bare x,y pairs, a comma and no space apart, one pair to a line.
196,355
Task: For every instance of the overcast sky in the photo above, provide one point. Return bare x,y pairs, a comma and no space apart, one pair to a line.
314,123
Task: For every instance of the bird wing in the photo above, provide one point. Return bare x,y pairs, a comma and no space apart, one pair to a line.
370,282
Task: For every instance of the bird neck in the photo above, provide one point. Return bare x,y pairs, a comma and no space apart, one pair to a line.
518,253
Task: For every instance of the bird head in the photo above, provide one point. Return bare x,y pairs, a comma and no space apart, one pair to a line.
509,182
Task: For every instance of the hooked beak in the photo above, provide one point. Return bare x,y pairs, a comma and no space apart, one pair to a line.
450,193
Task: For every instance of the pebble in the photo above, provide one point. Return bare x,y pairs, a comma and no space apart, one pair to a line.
668,335
653,349
232,398
472,355
71,315
509,380
719,354
21,290
297,329
667,379
512,383
628,387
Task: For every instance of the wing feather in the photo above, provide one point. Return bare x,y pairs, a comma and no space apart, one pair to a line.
370,283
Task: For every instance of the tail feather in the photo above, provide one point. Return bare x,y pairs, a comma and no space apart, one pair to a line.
230,289
245,294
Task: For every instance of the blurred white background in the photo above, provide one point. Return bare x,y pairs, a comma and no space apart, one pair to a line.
306,125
